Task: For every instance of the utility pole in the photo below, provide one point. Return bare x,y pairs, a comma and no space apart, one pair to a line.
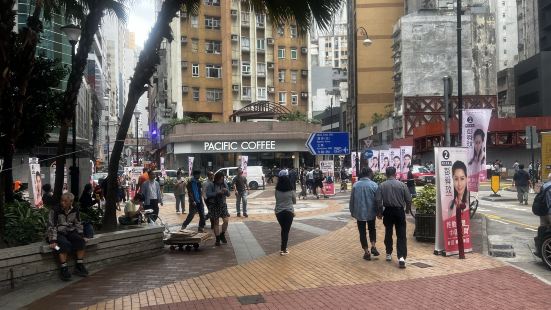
447,116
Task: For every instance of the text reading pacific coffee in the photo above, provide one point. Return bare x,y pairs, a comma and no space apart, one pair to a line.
236,146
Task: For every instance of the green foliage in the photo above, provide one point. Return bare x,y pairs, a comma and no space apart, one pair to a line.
425,202
379,178
93,216
389,110
24,224
204,119
376,117
297,116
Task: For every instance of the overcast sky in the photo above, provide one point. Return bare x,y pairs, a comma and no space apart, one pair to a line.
141,16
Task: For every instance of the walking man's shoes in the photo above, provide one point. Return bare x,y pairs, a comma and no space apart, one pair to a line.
374,251
388,257
223,238
80,270
367,256
65,274
402,263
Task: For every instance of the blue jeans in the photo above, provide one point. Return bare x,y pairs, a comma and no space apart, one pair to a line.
180,200
241,197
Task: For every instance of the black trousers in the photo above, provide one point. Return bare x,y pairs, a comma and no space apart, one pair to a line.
196,208
395,218
70,242
285,219
372,232
153,205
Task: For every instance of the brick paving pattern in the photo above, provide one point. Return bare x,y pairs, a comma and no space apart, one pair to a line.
270,238
324,224
496,288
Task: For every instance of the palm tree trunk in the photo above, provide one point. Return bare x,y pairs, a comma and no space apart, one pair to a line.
7,23
145,68
89,29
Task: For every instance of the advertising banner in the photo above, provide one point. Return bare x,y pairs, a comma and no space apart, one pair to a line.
328,169
163,171
395,161
405,157
452,198
384,160
190,165
353,156
35,183
475,131
374,161
244,164
52,177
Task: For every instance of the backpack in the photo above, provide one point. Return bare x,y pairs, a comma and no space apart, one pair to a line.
539,206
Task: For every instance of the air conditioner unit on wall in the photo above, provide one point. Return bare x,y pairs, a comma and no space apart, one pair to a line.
270,41
234,13
270,65
185,89
304,50
271,89
235,87
235,62
234,38
304,95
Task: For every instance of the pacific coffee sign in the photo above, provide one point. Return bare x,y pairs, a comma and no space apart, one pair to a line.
239,146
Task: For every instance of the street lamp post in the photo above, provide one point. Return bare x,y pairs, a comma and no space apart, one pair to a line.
137,115
72,32
366,42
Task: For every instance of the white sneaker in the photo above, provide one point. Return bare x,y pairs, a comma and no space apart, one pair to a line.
388,257
178,212
283,253
402,262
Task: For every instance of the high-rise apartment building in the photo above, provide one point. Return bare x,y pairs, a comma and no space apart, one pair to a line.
232,57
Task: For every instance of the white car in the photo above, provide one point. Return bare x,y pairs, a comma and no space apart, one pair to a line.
255,176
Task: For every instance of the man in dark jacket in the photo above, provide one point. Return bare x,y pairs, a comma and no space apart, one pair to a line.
195,195
521,180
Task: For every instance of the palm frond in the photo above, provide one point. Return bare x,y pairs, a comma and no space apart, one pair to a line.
191,7
74,9
302,12
116,8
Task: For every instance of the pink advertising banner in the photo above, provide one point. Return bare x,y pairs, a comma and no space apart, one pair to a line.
328,169
395,161
452,198
190,165
475,132
384,160
405,158
374,161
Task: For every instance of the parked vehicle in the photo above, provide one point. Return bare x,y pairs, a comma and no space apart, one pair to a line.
97,177
255,176
422,175
543,244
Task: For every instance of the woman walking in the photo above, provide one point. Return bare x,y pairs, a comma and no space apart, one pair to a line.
217,191
285,198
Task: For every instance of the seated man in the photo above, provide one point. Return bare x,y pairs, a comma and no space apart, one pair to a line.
65,235
132,210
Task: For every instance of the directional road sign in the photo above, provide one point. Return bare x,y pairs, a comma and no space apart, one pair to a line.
368,154
328,143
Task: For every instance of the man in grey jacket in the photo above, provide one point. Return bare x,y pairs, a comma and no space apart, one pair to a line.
151,191
363,207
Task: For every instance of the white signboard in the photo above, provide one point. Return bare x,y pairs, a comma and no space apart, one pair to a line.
475,133
35,183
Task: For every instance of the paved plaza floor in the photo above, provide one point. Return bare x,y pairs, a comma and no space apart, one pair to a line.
324,270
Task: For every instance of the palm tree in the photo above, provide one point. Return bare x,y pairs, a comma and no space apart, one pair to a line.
96,10
303,12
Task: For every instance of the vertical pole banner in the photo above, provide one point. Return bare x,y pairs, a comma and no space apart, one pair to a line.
475,131
452,199
36,183
353,162
374,161
244,163
190,165
384,160
395,161
405,157
328,169
163,171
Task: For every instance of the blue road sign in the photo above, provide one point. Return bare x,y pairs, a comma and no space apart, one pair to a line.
328,143
368,154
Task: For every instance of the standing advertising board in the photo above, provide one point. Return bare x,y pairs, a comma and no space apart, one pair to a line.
163,171
452,200
190,165
545,154
475,132
395,161
384,160
36,183
328,169
52,177
353,156
405,158
374,161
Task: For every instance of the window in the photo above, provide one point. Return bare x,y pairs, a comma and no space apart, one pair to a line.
294,74
336,64
294,53
328,44
261,93
282,97
293,30
504,51
212,2
281,52
261,69
336,43
214,71
245,18
214,94
195,70
246,68
194,21
212,22
246,94
213,47
245,43
281,75
260,19
280,31
336,54
195,92
195,45
260,44
504,39
294,98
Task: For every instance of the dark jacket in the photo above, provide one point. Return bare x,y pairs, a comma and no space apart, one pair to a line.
59,222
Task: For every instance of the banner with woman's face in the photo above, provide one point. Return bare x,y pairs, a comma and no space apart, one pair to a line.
405,157
36,183
396,161
475,132
374,161
384,160
452,196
